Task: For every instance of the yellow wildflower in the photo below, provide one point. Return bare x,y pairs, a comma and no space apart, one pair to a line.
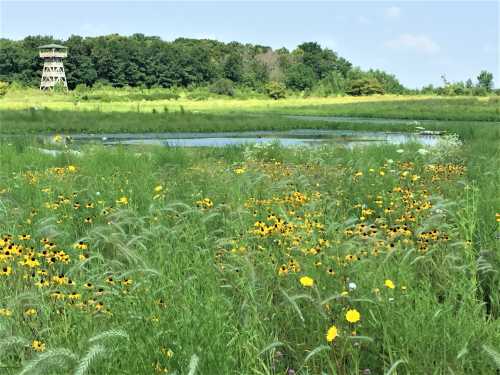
331,334
307,281
352,316
122,200
389,284
38,346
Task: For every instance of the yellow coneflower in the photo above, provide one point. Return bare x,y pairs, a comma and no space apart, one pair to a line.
38,345
5,312
74,296
6,271
283,271
81,245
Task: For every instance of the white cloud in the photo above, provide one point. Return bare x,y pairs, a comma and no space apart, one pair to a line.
392,12
417,43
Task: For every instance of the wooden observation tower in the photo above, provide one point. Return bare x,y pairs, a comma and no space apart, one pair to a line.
53,68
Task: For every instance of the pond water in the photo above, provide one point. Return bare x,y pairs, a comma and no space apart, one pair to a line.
291,138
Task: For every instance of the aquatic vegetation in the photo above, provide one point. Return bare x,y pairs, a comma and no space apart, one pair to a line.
242,260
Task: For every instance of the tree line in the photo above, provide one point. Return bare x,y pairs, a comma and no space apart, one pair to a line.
150,62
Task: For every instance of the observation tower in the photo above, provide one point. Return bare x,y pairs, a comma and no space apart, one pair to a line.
53,68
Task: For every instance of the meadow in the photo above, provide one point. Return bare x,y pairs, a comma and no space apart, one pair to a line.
130,100
255,259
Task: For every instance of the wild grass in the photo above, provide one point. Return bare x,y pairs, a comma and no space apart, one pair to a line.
51,121
167,260
192,259
385,106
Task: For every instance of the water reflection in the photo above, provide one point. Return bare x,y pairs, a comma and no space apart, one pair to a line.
292,138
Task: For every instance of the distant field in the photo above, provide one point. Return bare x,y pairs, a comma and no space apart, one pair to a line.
386,106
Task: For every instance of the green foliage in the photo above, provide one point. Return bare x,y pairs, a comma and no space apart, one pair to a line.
389,82
333,84
485,80
233,67
144,61
222,86
59,87
364,86
275,90
4,87
299,77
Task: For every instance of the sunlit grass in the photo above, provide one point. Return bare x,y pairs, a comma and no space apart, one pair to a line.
389,106
155,260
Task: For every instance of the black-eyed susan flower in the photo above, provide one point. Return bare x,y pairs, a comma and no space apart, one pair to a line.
6,271
5,312
74,296
31,312
38,345
283,270
81,245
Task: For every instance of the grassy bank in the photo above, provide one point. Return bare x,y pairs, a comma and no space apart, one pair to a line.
50,121
258,260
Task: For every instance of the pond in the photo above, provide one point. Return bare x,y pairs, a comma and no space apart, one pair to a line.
291,138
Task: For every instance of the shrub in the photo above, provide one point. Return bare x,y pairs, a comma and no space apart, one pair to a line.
364,86
4,86
275,90
222,86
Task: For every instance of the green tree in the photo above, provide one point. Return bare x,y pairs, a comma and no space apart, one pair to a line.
485,80
299,77
333,83
223,86
275,90
364,86
233,68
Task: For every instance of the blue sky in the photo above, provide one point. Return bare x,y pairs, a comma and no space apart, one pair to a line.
418,41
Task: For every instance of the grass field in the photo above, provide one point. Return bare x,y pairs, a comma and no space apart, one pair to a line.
385,106
250,260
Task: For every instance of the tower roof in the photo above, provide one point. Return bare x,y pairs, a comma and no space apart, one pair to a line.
51,46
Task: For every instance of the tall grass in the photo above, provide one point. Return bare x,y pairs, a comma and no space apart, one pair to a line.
385,106
194,288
